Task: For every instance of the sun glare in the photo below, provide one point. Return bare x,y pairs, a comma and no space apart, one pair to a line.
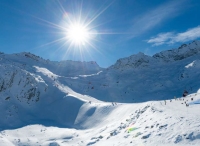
78,34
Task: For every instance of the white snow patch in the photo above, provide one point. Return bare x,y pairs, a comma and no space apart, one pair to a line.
190,65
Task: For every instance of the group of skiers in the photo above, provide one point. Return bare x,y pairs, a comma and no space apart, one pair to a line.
185,93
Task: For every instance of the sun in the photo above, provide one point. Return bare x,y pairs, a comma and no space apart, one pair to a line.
79,30
78,34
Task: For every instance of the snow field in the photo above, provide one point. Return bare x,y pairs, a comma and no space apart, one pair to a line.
153,123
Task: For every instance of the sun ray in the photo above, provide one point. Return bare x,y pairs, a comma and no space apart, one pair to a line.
52,42
80,12
101,12
63,10
51,23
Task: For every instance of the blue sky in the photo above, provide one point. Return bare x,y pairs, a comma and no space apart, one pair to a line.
120,27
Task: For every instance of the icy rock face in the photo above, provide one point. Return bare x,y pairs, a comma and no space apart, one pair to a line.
20,84
184,51
32,56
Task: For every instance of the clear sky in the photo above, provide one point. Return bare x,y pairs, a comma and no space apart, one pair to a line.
96,30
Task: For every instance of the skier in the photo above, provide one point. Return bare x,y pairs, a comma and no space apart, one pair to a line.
175,97
185,93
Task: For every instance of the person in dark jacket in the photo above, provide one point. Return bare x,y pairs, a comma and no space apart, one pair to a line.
185,93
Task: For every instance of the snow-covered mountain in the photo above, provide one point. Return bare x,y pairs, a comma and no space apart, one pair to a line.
163,76
27,86
84,96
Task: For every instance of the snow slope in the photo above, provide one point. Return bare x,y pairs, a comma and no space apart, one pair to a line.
85,104
149,123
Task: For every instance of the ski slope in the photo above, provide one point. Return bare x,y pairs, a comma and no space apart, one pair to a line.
152,123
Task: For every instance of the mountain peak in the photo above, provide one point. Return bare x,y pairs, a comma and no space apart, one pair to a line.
133,61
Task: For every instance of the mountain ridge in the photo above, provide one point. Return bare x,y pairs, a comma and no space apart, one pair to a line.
180,53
